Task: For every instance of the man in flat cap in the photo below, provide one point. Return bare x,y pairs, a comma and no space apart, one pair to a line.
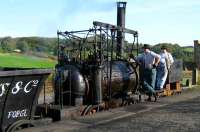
166,61
148,62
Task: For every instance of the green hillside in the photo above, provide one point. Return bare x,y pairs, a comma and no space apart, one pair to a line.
188,49
24,61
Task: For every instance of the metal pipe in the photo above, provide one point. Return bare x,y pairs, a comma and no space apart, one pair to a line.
110,78
98,85
58,47
137,46
121,8
114,27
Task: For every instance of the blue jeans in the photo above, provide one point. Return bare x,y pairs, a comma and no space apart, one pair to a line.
161,77
149,80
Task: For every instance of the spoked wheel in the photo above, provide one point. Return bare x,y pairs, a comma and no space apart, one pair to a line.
124,103
19,125
86,110
91,109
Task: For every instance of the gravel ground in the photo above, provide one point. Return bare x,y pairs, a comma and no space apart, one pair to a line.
182,116
179,113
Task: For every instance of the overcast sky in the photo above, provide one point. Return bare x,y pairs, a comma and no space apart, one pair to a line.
157,21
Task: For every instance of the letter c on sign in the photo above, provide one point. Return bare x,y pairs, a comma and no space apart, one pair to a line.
35,82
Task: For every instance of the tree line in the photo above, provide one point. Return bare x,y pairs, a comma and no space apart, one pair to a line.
29,45
178,52
48,46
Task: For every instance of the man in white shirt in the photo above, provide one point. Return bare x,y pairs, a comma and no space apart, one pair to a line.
148,62
163,67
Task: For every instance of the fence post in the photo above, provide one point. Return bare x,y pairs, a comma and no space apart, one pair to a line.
195,76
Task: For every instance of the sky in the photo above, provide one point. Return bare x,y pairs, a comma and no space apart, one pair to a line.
157,21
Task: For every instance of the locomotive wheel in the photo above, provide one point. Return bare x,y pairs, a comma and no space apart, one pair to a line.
91,109
86,110
124,103
21,124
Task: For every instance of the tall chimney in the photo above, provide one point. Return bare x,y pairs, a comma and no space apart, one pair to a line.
121,8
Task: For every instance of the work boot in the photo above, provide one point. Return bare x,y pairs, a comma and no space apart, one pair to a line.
159,90
155,95
149,98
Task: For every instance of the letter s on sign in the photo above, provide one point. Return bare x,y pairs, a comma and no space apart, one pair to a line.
2,88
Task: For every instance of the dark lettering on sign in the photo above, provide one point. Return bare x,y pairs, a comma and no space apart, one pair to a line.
18,86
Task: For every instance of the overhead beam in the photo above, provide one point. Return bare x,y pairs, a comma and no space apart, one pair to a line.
110,26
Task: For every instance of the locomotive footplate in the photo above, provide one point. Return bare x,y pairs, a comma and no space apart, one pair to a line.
57,113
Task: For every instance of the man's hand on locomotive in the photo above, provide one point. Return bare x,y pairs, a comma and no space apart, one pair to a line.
154,65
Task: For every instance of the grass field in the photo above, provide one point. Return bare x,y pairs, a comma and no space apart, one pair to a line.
24,61
188,49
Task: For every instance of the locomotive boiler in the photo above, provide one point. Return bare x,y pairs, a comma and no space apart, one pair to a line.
92,84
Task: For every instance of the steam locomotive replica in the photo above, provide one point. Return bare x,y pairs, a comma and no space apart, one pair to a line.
93,70
92,74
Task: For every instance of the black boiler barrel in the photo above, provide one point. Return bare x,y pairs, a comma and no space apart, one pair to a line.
72,87
124,78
